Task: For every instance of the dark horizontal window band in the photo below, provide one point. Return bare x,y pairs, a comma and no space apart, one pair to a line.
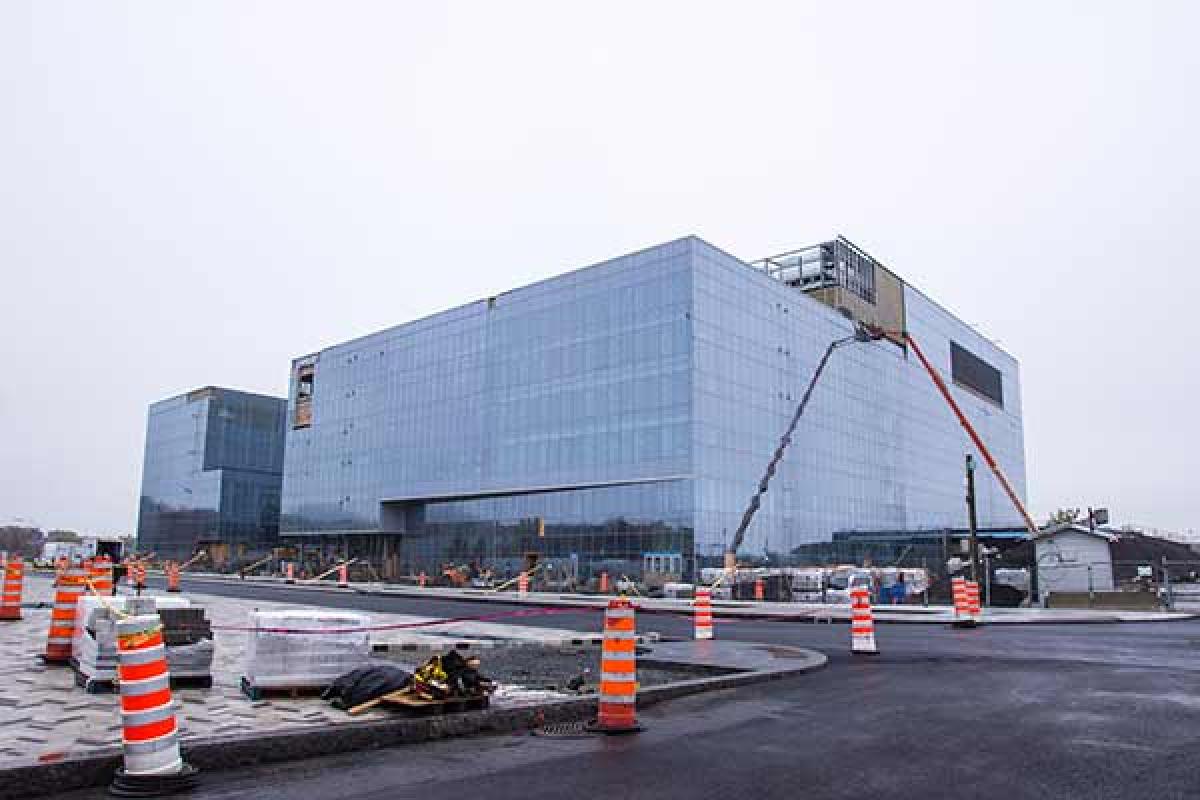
972,372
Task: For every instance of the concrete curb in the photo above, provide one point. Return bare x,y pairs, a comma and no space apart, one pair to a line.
215,753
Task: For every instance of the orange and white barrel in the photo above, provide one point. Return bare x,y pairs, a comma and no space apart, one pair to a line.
173,571
760,590
71,586
10,590
290,572
421,579
150,733
603,583
617,709
523,583
974,611
702,608
343,579
962,613
862,622
101,575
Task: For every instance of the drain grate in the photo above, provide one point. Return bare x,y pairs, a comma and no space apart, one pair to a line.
564,730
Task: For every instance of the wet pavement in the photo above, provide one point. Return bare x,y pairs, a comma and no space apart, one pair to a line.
1093,712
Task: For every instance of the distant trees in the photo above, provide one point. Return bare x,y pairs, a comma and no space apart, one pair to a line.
1064,516
21,540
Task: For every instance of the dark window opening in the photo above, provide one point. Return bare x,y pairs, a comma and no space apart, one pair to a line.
972,372
302,417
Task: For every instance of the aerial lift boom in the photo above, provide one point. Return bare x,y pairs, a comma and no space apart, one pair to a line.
863,333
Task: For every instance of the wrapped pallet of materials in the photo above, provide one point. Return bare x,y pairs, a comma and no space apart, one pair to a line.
94,647
282,654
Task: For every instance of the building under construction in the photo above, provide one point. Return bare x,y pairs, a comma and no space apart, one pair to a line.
620,417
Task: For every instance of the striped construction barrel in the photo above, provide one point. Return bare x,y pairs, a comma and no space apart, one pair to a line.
343,579
101,575
862,622
10,590
150,734
71,587
617,710
523,583
290,573
760,590
962,612
702,605
974,611
173,571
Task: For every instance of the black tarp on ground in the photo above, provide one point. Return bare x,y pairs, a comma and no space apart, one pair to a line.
366,683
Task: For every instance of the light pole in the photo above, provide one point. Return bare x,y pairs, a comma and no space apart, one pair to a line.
971,519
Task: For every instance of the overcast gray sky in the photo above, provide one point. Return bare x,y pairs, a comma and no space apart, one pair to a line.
196,193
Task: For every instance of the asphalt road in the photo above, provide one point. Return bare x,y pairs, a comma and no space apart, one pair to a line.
1047,712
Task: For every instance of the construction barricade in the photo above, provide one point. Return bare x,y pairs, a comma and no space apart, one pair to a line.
974,611
150,731
100,575
171,568
862,622
70,588
962,611
702,607
10,591
617,709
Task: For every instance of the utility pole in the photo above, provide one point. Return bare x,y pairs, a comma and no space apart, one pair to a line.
971,521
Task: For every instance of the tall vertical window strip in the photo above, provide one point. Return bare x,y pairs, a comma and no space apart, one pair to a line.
972,372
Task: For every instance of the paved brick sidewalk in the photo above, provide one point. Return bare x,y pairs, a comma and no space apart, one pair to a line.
45,717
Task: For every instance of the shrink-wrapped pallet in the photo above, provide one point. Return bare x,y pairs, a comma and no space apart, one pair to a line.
94,647
338,643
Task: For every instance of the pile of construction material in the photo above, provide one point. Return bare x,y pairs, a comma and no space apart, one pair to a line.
303,649
189,639
186,633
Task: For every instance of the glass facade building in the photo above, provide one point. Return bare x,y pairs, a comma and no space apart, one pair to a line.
212,474
630,408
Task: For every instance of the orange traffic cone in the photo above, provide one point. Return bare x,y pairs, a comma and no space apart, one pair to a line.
617,710
962,611
101,575
172,570
71,586
10,592
862,623
702,610
973,609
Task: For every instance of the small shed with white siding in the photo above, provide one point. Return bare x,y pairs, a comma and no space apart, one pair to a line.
1072,558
